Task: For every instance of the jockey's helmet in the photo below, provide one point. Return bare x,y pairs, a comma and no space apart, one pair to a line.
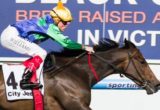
61,12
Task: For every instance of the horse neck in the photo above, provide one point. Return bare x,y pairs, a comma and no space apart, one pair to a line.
82,69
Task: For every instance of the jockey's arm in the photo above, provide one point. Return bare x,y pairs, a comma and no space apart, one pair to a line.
56,35
66,42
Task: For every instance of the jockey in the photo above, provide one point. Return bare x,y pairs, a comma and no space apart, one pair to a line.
23,37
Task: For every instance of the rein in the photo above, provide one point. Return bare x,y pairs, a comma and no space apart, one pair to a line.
58,69
115,68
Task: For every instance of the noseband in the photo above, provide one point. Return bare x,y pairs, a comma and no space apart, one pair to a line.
121,71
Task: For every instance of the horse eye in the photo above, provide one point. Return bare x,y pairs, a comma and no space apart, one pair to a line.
143,62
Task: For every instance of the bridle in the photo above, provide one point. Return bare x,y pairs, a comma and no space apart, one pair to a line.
143,81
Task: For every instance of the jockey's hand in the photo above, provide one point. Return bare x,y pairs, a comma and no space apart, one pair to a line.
89,49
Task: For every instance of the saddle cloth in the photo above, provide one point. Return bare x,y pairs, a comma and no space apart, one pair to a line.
12,75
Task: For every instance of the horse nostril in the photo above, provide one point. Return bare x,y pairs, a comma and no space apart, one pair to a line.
158,87
152,89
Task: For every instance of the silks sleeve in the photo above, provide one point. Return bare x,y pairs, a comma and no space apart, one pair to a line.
55,34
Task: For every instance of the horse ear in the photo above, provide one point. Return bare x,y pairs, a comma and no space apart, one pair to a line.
129,44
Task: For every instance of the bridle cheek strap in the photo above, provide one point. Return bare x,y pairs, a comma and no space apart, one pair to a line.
92,68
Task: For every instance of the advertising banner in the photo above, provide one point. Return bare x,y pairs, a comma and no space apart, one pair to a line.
134,20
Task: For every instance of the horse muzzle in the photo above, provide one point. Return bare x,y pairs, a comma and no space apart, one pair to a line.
158,87
151,89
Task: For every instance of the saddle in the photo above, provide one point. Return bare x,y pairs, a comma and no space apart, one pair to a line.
49,63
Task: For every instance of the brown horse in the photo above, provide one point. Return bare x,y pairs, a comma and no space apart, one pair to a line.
68,85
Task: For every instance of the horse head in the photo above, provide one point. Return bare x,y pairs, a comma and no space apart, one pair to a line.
137,69
127,60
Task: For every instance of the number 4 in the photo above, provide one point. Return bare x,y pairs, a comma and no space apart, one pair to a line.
11,81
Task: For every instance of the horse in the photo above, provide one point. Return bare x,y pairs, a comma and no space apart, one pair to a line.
68,84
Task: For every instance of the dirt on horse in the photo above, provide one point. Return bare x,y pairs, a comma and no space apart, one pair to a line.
68,85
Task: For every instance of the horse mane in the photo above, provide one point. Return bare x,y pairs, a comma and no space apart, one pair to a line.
68,53
106,44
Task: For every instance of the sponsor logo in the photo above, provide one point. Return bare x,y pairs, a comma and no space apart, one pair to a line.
116,84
